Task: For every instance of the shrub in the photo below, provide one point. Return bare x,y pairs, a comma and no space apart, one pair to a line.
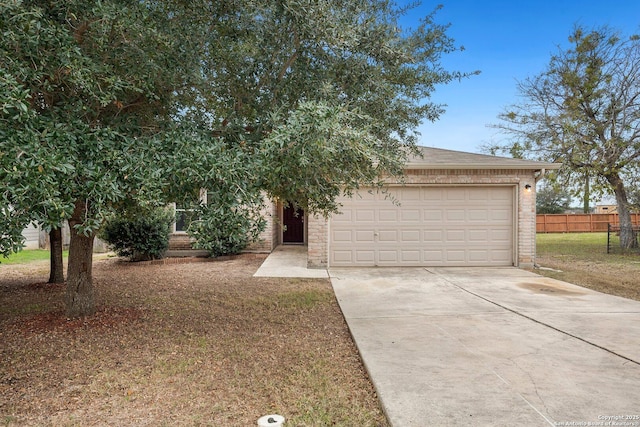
225,226
139,234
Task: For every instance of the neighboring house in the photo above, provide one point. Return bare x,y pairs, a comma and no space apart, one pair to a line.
32,237
36,238
606,209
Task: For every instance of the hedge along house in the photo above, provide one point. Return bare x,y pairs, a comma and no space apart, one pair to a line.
453,209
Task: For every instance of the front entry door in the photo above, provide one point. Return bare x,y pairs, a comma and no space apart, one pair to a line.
293,221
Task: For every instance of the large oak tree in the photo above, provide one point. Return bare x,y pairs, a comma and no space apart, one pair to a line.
154,100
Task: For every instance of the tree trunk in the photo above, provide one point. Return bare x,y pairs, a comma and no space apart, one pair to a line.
80,298
587,194
628,238
56,267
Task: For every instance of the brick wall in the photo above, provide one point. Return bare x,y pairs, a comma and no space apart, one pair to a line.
268,239
317,246
526,208
180,242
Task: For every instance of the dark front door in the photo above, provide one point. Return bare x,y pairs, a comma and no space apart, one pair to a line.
293,221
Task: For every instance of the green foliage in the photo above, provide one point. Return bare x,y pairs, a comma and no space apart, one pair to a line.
633,176
85,87
107,101
552,200
634,199
11,225
329,150
226,224
140,234
298,76
104,88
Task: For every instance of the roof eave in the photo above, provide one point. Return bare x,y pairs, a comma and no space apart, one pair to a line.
484,166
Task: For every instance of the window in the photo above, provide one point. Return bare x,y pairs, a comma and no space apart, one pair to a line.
185,215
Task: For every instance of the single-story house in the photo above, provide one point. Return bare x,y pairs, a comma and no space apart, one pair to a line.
33,238
36,238
606,209
453,209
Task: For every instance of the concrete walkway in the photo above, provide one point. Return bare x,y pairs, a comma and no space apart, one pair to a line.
493,347
289,261
486,347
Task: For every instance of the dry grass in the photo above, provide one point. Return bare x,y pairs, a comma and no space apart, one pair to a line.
583,260
185,344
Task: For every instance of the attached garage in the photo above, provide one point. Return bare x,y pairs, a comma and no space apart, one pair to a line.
451,209
425,226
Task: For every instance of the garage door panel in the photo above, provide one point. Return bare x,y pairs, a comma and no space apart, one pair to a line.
480,195
364,257
365,195
457,236
388,236
432,235
410,236
478,256
388,256
479,215
408,194
364,236
430,194
456,194
431,226
409,214
343,256
496,196
386,215
480,236
455,256
433,215
365,215
343,216
499,235
501,215
434,257
411,256
341,236
455,215
498,256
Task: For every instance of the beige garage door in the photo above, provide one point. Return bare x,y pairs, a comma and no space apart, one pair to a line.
431,226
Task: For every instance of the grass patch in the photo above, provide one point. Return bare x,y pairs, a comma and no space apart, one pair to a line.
26,256
181,344
574,245
583,260
294,301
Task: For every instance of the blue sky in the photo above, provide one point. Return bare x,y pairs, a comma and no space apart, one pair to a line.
507,41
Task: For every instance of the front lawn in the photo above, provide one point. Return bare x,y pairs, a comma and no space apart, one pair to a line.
179,344
583,260
29,255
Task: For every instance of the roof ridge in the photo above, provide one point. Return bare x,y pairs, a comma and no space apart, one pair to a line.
440,158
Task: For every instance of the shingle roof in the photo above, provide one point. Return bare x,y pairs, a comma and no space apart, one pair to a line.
438,158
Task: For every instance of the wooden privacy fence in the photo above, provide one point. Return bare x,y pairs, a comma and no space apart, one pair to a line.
579,223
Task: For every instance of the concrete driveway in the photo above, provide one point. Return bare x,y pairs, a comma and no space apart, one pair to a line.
493,347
